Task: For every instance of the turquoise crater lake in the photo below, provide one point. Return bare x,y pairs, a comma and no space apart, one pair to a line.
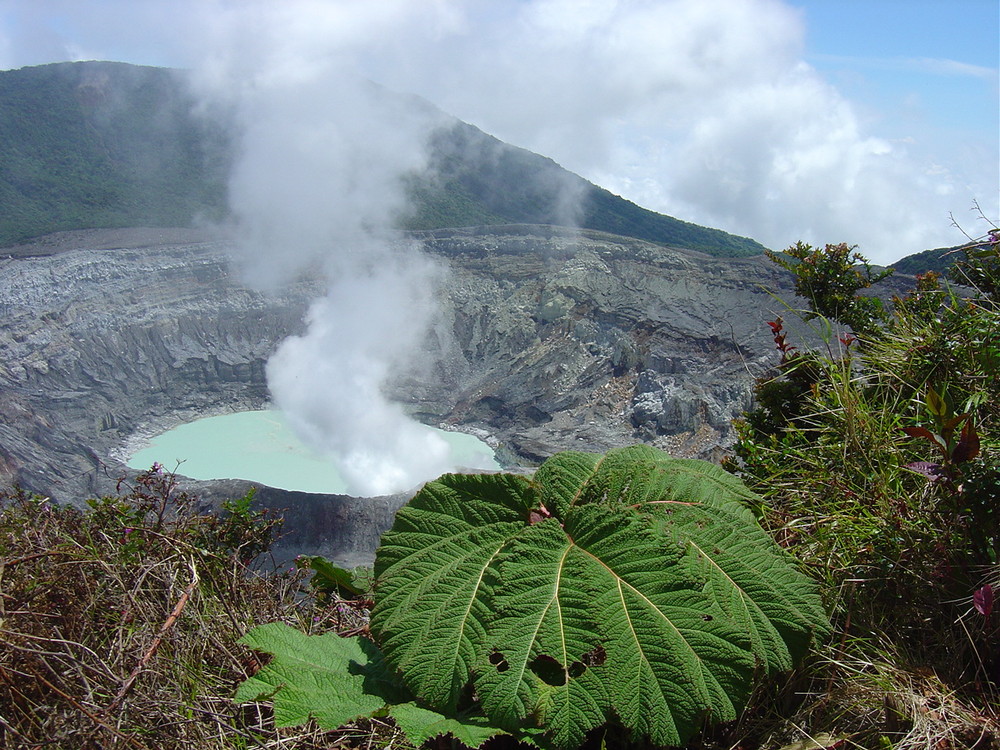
259,446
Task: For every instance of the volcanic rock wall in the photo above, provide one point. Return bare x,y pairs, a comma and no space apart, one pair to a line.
546,339
561,340
114,333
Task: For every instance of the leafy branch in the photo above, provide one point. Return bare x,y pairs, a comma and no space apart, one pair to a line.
830,278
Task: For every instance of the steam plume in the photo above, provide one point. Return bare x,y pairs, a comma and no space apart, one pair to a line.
328,381
316,187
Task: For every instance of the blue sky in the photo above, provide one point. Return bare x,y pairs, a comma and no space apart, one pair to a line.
866,121
933,62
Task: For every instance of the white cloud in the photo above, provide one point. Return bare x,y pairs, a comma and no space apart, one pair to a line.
702,109
699,108
951,68
933,65
565,79
785,160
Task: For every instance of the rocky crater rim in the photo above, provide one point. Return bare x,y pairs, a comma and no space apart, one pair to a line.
546,339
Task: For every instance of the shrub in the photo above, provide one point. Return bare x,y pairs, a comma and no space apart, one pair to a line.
118,622
879,467
630,588
830,279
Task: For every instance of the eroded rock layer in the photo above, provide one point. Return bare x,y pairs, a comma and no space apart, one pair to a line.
546,340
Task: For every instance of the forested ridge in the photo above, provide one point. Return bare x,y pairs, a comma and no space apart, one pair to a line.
99,144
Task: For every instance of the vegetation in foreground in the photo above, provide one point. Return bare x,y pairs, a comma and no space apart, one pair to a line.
628,595
878,459
874,461
119,623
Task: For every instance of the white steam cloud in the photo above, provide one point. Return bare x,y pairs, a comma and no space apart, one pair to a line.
706,110
702,109
316,187
328,381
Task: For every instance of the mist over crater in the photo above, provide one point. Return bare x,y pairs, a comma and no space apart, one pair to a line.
332,290
545,339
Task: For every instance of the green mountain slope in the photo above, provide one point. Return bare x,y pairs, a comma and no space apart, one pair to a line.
85,145
939,260
97,144
478,179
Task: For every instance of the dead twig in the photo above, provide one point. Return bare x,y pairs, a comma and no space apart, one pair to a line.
35,556
151,651
90,715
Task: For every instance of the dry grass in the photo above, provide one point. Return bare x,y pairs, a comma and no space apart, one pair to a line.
840,701
118,625
871,703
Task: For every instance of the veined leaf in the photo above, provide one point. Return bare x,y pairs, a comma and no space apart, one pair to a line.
669,656
630,587
637,475
326,676
440,551
559,479
336,680
750,578
420,724
539,629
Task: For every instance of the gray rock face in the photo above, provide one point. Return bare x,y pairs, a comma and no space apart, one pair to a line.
99,344
588,341
547,340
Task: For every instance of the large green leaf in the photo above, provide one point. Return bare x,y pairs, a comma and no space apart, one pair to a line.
639,475
751,580
330,678
336,680
440,552
631,587
420,725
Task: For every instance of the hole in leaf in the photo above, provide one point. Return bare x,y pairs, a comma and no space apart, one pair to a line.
497,660
595,657
549,670
706,618
539,514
